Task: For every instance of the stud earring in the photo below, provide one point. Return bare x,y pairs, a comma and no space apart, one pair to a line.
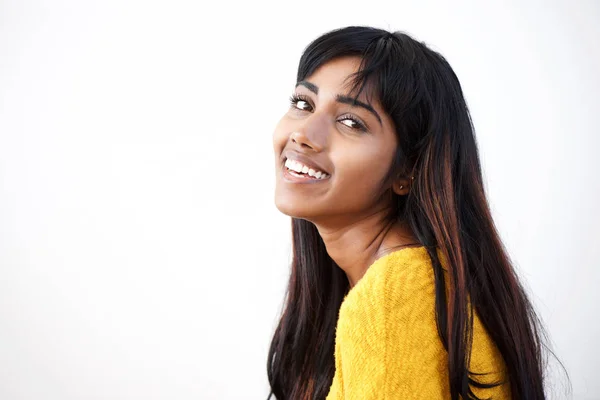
412,178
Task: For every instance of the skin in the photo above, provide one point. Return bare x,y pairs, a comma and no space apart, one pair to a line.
349,208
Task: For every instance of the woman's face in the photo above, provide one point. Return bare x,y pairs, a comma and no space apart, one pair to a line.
352,145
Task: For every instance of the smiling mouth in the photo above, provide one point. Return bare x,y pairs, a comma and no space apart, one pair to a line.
298,178
299,170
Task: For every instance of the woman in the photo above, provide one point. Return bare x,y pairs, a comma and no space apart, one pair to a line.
400,286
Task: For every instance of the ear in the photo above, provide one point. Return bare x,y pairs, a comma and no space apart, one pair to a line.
401,186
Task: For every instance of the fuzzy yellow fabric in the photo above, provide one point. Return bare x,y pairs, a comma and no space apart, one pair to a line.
387,344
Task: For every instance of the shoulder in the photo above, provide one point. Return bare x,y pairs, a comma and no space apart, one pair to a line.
387,327
387,289
389,317
389,277
396,285
362,338
391,281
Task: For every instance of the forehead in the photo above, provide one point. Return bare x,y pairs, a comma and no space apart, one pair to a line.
337,69
335,76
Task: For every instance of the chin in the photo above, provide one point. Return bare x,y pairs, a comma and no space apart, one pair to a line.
294,209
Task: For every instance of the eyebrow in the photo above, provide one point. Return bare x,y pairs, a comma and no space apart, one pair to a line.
340,98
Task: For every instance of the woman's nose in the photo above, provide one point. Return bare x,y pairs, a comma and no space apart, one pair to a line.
304,140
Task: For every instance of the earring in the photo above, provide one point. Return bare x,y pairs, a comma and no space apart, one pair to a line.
412,178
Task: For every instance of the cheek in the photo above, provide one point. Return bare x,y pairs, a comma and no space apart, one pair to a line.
280,136
359,171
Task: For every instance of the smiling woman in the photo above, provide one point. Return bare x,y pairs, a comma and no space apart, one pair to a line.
400,286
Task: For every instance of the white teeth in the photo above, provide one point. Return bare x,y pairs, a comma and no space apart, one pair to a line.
301,168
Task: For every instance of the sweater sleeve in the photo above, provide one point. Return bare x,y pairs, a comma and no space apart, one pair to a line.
389,347
416,360
359,351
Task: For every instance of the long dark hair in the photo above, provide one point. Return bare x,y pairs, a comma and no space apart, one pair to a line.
446,209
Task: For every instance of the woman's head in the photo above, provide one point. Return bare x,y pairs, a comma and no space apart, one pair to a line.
364,107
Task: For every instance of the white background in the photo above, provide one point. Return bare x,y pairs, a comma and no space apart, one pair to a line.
141,254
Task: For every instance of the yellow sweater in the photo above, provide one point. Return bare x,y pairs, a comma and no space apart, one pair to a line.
387,345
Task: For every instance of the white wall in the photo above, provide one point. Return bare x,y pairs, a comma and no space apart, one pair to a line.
141,255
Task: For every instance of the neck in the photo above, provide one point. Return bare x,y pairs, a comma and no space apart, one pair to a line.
356,245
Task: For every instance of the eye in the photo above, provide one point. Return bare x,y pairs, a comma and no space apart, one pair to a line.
300,102
354,123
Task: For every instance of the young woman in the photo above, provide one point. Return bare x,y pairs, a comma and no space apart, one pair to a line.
400,286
